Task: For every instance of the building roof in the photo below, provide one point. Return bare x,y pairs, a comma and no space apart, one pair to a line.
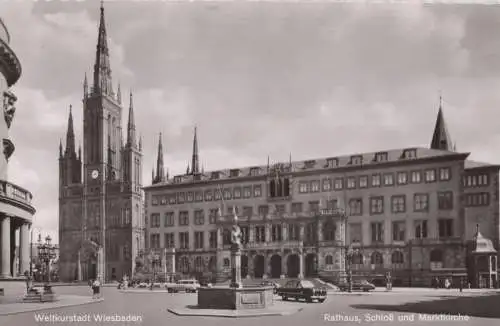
477,165
333,162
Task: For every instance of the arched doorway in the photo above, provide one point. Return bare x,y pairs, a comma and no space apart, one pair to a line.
310,265
259,264
212,264
293,265
275,266
90,258
244,266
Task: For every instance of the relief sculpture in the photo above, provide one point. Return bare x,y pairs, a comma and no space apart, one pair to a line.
8,107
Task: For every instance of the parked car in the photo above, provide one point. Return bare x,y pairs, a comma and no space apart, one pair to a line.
188,286
271,283
302,289
357,285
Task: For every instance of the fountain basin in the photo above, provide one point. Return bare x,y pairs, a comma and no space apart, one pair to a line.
235,298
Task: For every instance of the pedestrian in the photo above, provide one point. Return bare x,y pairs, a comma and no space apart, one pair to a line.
96,289
447,283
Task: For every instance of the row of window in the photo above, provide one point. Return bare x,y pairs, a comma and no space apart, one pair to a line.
328,231
208,195
376,207
476,180
376,180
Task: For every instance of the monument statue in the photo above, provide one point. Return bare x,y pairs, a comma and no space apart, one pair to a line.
8,107
236,253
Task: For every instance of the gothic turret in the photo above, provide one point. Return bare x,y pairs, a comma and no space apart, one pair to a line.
195,160
131,140
160,174
102,69
85,87
70,165
441,138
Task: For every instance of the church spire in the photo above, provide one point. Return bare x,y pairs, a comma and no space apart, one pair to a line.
195,162
60,148
119,94
131,141
441,138
70,135
160,175
85,86
102,68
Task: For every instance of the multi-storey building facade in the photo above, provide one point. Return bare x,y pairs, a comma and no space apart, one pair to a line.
100,194
410,211
16,209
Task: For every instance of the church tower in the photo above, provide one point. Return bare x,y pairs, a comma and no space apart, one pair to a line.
105,207
441,138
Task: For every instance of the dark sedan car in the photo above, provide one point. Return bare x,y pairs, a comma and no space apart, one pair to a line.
362,285
302,289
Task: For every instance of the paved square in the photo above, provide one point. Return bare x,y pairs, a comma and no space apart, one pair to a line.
378,308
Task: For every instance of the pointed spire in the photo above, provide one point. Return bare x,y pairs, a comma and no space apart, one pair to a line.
80,152
153,175
160,175
102,68
195,163
119,94
187,169
85,86
441,139
140,143
60,148
168,175
70,134
131,141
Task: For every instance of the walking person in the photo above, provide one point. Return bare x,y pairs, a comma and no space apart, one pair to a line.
447,283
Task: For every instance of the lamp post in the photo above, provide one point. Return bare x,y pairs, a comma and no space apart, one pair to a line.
46,252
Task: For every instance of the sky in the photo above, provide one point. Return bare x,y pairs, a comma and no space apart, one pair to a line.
257,79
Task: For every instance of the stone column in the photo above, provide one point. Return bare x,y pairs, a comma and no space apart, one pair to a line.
251,233
284,231
236,268
301,264
5,247
250,266
284,271
100,264
319,234
301,232
79,265
24,249
268,232
490,281
13,264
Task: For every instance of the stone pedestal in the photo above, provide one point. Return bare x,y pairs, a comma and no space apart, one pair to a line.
236,268
235,299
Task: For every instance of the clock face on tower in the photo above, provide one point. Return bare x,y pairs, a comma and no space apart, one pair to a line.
95,174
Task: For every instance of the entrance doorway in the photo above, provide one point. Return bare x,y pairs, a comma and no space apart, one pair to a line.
311,268
259,265
244,266
275,266
293,265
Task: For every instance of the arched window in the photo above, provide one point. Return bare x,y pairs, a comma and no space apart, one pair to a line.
376,258
227,263
436,259
199,264
328,260
397,259
329,230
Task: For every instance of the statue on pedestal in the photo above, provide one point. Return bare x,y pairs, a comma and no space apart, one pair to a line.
236,253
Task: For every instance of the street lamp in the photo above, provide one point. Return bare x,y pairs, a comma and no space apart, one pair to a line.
46,252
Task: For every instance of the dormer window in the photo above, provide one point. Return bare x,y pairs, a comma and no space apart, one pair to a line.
409,153
215,175
381,157
309,164
177,179
254,172
332,163
356,160
234,173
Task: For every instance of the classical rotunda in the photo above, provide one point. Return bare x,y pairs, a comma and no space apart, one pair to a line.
16,209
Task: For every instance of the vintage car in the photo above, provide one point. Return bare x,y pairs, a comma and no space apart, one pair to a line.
188,286
357,285
271,283
302,289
